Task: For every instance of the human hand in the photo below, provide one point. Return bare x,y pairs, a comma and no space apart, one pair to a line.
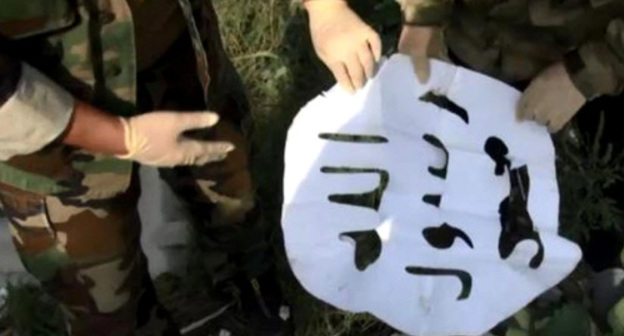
551,98
420,43
157,139
347,45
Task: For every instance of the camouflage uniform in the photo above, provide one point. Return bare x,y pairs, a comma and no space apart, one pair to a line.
73,213
514,40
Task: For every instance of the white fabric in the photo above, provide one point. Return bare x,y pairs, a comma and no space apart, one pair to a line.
36,114
165,225
389,106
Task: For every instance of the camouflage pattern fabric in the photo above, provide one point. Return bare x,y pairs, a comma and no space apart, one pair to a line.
200,54
73,213
86,255
219,195
514,40
83,243
99,69
20,19
95,60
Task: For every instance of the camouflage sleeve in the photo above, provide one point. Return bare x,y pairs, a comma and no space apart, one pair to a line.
597,67
426,12
34,111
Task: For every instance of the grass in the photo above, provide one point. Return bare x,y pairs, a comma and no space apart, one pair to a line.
31,313
269,44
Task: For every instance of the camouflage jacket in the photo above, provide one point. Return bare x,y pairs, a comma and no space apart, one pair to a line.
55,51
514,40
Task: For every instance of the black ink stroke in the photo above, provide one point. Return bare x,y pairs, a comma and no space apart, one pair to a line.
434,200
354,138
371,199
497,150
446,104
368,247
443,237
463,276
516,222
434,141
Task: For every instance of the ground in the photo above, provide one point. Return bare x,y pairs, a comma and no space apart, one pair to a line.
269,44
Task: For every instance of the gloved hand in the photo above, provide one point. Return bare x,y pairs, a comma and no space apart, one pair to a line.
551,98
420,43
157,139
347,45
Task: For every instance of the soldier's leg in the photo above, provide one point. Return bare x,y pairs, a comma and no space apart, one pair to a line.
233,242
84,249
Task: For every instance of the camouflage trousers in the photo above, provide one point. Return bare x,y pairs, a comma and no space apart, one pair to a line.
83,245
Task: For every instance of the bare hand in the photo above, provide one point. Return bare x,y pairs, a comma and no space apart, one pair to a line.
347,45
420,43
551,99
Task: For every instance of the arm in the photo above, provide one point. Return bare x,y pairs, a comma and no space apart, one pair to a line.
597,67
106,138
593,70
35,111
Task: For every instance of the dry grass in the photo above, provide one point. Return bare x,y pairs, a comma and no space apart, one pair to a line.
269,44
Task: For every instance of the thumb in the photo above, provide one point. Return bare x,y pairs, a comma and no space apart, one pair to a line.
526,107
422,68
196,120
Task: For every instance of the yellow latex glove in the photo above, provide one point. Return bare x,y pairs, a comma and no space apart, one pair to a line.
420,43
157,139
551,98
347,45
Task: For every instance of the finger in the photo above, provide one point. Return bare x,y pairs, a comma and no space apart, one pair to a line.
404,42
201,152
195,120
202,160
525,109
342,77
421,67
367,61
356,71
542,116
375,45
215,152
545,111
221,147
199,148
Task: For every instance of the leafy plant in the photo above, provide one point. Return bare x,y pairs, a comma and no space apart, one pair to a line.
32,313
586,170
269,44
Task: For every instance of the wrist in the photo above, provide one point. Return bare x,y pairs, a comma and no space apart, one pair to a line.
95,130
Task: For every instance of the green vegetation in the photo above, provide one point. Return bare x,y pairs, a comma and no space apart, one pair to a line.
269,44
